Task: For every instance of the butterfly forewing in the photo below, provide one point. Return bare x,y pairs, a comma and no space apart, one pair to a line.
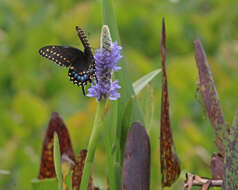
82,64
62,55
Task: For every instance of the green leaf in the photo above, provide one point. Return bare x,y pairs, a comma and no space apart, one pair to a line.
112,144
5,172
68,180
97,130
143,81
45,184
57,162
110,19
127,90
231,161
127,122
119,106
147,103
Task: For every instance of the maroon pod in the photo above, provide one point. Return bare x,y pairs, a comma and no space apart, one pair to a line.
136,164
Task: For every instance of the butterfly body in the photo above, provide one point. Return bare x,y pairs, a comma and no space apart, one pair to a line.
81,64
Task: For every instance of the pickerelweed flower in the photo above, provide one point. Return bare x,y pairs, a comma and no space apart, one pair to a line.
107,58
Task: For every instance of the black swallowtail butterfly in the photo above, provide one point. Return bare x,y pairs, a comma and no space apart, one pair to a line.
81,64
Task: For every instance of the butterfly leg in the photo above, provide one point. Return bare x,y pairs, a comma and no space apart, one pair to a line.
83,90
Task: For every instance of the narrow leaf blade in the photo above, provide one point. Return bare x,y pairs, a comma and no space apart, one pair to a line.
231,163
127,91
5,172
68,181
147,103
143,81
57,162
45,184
126,122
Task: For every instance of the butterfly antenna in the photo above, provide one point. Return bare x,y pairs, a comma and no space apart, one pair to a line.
83,90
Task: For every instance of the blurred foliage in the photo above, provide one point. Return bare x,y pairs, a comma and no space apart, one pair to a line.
32,87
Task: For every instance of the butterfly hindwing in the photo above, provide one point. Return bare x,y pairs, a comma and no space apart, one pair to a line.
81,78
62,55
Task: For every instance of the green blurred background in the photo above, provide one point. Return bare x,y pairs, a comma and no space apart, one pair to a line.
31,87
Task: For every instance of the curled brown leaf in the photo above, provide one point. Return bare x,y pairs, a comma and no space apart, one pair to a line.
56,124
210,96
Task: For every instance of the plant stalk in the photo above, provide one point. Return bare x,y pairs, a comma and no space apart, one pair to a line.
96,132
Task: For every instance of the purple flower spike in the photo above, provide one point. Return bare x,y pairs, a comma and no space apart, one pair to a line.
107,58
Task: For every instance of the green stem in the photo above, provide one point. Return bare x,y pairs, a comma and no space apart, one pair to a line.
97,128
112,146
